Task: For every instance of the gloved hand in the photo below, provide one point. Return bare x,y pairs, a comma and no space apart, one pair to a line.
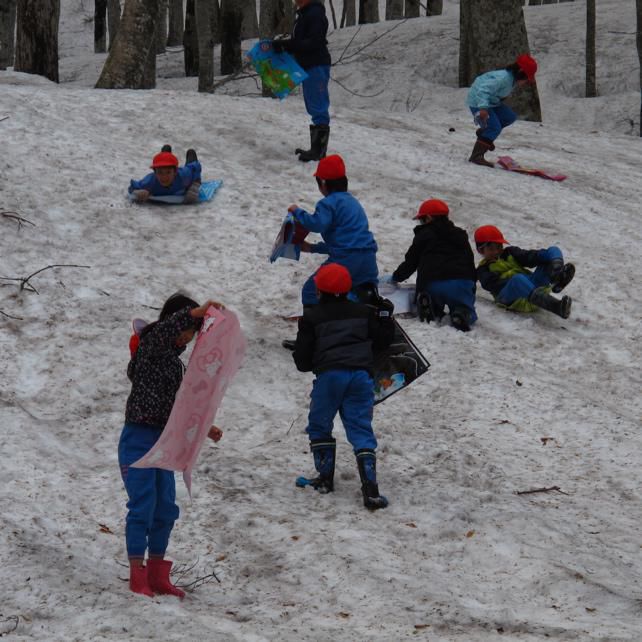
191,195
387,278
141,195
481,118
280,46
555,268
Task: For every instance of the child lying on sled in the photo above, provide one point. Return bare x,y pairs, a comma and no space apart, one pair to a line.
168,179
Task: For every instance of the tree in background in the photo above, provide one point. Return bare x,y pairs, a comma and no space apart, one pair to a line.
36,50
231,22
591,83
175,29
113,19
161,27
492,35
7,31
411,8
250,24
205,45
394,9
349,13
190,40
434,7
638,42
100,26
129,61
368,11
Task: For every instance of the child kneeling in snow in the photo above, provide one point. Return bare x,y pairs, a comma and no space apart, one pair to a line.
336,339
445,265
155,371
503,273
168,179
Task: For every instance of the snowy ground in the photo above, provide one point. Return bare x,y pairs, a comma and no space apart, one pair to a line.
519,403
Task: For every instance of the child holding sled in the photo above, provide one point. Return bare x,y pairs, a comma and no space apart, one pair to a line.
336,339
503,272
440,254
155,371
485,100
168,179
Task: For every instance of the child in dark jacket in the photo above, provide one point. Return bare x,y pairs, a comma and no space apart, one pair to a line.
336,340
440,254
503,273
156,372
168,179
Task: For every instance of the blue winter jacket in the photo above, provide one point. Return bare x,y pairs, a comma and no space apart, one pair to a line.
342,223
490,88
308,44
184,178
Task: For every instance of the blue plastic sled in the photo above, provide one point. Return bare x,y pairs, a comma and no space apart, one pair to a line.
287,244
206,193
278,71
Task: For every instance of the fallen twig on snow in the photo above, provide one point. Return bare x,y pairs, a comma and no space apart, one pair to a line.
16,217
4,118
24,281
547,489
15,619
199,581
354,93
9,316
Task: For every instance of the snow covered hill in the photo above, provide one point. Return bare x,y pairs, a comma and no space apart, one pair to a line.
518,403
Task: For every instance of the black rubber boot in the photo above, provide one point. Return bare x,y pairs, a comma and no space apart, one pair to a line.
542,299
319,137
460,318
166,148
424,308
190,157
481,147
324,453
568,272
367,464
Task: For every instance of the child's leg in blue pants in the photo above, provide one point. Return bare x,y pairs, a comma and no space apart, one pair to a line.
454,293
152,494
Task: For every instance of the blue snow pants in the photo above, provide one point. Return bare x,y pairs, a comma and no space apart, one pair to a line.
521,285
151,491
316,95
362,266
351,394
455,293
498,118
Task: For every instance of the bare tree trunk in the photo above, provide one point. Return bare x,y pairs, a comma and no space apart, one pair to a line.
638,42
435,7
394,9
7,32
349,15
532,3
215,21
493,34
100,26
175,31
250,24
113,19
190,40
549,1
161,27
411,9
127,65
149,75
205,45
591,84
368,11
231,22
37,37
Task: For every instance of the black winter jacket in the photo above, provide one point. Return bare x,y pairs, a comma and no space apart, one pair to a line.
440,251
308,44
156,371
340,334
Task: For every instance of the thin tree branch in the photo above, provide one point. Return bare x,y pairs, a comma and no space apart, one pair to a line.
24,282
9,316
343,58
12,618
4,118
16,217
547,489
354,93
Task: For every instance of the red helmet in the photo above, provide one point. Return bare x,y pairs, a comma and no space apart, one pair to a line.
432,207
333,279
331,167
164,159
528,65
489,234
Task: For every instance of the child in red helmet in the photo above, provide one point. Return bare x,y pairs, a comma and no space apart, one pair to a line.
155,371
503,272
336,339
485,102
168,179
440,254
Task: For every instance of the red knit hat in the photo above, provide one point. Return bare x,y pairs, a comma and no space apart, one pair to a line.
528,65
164,159
432,207
333,279
331,167
489,234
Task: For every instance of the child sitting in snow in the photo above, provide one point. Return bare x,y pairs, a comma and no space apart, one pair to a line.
503,273
168,179
156,372
440,254
336,339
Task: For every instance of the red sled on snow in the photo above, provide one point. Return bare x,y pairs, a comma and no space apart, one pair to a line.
507,163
